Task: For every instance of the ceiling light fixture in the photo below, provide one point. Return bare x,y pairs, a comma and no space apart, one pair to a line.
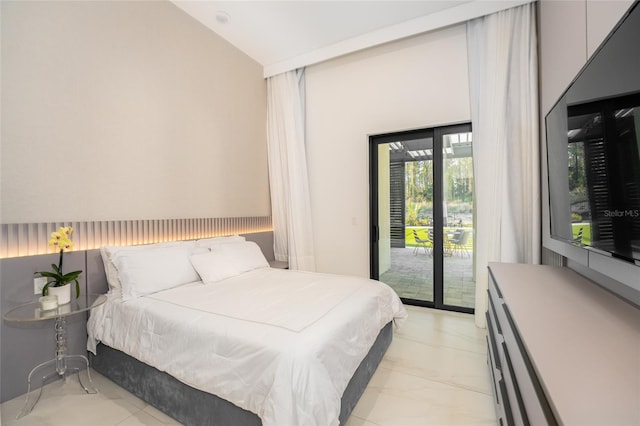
222,17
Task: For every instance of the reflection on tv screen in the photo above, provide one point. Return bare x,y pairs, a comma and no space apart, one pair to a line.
604,174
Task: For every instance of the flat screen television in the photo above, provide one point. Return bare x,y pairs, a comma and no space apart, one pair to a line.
593,149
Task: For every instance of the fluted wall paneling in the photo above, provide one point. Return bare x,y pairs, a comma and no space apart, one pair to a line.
29,239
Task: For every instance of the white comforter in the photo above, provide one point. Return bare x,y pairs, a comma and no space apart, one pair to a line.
282,344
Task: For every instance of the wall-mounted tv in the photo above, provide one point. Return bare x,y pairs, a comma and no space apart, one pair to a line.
593,149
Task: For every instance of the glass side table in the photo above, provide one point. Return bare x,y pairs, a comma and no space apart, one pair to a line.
31,312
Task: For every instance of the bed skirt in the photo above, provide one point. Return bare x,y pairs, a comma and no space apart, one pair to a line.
193,407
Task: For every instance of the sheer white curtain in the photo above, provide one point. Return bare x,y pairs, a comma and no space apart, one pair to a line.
504,110
289,182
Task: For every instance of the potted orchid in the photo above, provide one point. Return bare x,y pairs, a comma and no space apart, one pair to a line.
56,279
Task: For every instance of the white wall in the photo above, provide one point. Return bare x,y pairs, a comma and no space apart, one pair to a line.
127,110
417,82
570,31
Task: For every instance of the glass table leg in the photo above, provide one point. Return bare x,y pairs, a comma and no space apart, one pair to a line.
62,370
89,387
61,346
32,399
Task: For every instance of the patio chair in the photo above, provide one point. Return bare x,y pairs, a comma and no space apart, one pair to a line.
460,242
424,243
448,244
578,238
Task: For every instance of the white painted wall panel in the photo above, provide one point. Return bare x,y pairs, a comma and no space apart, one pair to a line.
418,82
127,111
563,48
602,16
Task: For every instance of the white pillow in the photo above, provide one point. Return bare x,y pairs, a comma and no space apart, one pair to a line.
245,256
143,272
210,242
214,267
107,252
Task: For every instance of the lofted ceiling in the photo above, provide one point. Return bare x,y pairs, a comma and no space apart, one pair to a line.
283,35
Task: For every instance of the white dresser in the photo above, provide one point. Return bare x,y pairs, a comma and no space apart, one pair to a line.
562,350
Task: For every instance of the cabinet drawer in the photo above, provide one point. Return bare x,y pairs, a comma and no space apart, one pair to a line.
520,394
499,391
501,403
494,290
495,377
506,418
513,398
494,340
491,310
535,407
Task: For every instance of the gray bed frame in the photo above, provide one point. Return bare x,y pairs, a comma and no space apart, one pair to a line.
191,406
194,407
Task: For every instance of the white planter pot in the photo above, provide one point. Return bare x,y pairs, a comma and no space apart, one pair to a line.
63,293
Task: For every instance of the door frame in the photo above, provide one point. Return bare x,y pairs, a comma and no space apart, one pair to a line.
437,133
374,232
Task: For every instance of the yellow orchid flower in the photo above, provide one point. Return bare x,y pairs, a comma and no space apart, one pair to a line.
61,240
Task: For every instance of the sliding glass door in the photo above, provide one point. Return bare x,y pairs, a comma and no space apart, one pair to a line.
457,219
422,215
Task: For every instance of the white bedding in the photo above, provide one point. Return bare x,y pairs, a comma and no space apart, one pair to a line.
282,344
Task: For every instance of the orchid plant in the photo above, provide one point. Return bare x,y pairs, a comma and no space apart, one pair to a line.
61,240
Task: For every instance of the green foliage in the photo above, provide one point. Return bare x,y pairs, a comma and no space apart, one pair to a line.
411,214
418,213
58,279
61,240
577,175
586,231
419,181
458,194
458,187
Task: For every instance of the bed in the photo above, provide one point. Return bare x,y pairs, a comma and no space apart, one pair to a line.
210,334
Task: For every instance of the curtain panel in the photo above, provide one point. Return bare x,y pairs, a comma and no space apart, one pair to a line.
504,109
289,181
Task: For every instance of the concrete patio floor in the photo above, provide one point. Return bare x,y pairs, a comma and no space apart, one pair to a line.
411,276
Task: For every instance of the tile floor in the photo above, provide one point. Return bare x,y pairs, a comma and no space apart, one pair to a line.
434,373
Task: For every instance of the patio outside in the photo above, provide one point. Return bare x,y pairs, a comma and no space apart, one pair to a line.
423,181
411,272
